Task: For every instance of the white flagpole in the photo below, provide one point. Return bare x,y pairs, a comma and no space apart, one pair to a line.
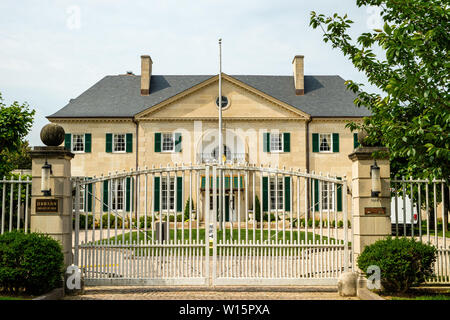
220,104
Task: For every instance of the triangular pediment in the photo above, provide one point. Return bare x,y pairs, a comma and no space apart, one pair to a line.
244,102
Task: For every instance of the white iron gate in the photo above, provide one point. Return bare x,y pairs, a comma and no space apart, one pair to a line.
211,225
415,208
15,196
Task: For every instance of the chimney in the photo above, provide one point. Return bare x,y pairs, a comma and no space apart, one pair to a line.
299,76
146,74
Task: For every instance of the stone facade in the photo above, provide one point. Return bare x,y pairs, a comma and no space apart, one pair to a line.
250,118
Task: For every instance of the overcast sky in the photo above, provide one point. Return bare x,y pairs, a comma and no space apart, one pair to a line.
52,51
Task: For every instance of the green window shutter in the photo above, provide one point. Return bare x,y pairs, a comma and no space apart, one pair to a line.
177,142
89,196
287,142
203,182
315,201
264,195
339,196
179,194
109,142
157,141
128,193
132,193
129,142
335,142
105,195
87,142
287,194
156,188
315,142
266,142
355,140
68,141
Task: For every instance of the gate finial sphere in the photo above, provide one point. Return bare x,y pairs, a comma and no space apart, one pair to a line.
362,135
52,134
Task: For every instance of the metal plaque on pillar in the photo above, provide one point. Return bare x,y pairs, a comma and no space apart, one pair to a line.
47,205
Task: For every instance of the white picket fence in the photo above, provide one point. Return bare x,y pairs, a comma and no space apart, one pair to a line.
223,241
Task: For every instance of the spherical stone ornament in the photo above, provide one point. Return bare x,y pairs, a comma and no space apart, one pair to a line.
361,136
52,134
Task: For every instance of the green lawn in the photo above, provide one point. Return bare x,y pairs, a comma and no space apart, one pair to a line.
14,298
234,236
425,297
132,237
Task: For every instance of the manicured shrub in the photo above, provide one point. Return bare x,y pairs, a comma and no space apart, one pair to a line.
172,218
403,262
112,222
30,263
83,221
142,222
186,209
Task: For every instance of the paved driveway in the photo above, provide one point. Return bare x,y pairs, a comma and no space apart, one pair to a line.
189,293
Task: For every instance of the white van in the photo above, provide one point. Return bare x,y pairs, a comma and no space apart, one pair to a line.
400,214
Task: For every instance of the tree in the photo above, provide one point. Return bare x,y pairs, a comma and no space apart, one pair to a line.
411,117
15,123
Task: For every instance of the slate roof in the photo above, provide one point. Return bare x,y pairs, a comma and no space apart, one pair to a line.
119,96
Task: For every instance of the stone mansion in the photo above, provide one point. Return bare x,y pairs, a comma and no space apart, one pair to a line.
135,121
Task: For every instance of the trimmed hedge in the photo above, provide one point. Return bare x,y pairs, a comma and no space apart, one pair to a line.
30,263
403,262
112,222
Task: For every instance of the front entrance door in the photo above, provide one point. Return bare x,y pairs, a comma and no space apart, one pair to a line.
228,205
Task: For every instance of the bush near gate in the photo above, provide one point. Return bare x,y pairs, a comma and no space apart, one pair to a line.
142,222
83,221
112,222
30,263
403,262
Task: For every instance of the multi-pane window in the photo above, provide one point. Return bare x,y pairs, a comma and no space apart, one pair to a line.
325,142
276,142
81,198
117,194
276,194
327,196
119,143
78,142
168,193
168,142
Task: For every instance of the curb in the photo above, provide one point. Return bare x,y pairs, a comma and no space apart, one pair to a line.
55,294
366,294
215,288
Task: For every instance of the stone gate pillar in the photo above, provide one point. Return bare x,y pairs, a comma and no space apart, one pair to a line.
371,213
51,210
